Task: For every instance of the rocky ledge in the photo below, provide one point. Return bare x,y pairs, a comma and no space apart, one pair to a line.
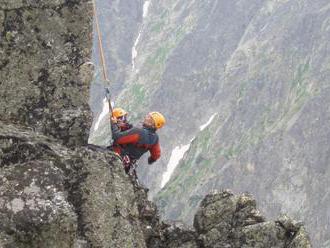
52,196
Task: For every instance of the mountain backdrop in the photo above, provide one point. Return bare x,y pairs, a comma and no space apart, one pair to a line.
245,88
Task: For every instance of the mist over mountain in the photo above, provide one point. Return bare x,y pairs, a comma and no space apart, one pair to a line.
259,68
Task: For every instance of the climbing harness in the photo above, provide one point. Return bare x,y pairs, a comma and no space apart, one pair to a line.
130,166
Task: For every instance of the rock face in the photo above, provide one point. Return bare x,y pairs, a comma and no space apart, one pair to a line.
56,192
226,220
52,196
51,193
44,71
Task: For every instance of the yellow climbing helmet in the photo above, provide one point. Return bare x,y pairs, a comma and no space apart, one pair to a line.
119,112
158,118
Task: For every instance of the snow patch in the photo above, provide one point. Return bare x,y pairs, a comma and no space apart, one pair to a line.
134,51
202,127
177,154
105,111
146,6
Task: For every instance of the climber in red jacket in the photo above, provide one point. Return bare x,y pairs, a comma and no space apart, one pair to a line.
122,123
137,141
121,116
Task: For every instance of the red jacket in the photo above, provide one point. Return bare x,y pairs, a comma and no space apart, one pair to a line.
137,141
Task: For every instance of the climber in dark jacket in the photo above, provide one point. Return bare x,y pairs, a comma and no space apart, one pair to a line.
137,141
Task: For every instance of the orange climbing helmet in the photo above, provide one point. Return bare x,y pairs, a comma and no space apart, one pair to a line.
119,112
158,118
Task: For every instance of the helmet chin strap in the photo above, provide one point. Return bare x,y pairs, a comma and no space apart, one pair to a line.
148,126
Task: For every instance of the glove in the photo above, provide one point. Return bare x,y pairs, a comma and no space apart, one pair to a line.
114,120
151,160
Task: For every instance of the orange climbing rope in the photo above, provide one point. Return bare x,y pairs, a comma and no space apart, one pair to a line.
103,62
99,35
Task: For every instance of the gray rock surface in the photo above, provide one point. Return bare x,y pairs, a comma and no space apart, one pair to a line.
226,220
55,197
33,201
44,78
64,194
53,193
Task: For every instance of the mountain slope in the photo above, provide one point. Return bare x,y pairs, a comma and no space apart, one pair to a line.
263,68
273,138
179,64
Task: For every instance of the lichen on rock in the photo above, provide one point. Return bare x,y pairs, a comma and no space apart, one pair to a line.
33,201
73,195
44,83
226,220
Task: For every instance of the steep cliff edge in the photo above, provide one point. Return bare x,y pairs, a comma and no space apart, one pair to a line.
55,191
52,196
44,72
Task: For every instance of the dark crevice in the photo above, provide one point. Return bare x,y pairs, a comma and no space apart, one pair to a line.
21,151
13,22
4,63
72,3
73,185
